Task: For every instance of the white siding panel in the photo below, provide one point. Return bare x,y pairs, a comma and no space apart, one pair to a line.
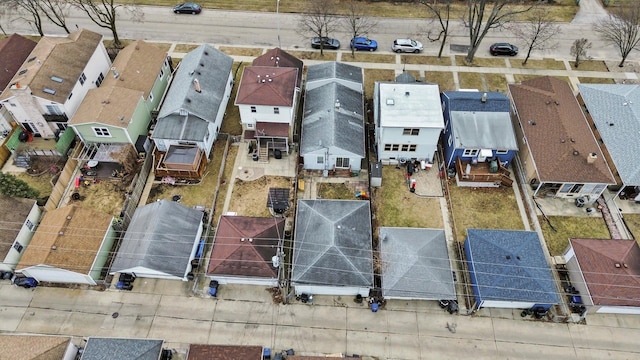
331,290
619,310
507,304
56,275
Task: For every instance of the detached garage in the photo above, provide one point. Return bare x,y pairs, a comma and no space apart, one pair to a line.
71,245
508,269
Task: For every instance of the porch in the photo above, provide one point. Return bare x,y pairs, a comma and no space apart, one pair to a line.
482,174
179,163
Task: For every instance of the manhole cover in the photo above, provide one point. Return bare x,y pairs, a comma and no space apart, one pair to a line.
115,315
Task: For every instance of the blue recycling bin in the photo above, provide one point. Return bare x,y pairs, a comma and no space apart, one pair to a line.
374,307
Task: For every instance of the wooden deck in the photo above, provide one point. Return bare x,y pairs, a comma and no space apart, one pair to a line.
478,175
162,170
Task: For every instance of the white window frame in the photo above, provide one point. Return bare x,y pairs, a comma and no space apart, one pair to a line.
470,152
502,152
82,78
276,110
101,132
29,225
342,163
320,160
254,109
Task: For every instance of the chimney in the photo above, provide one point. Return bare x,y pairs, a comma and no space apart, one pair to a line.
196,85
484,98
337,104
592,158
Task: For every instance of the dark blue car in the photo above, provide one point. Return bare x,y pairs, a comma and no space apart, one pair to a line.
25,282
363,43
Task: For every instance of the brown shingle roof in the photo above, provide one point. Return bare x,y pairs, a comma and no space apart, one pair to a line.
14,50
76,233
114,102
232,256
280,58
270,86
64,58
608,284
557,132
224,352
11,221
30,347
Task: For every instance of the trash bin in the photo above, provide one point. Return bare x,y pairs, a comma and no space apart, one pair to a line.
277,154
580,202
374,307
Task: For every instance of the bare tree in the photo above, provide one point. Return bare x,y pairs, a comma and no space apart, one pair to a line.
356,21
537,32
318,19
622,29
31,10
484,15
442,10
104,14
579,50
55,11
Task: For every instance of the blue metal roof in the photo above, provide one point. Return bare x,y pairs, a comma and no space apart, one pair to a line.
509,265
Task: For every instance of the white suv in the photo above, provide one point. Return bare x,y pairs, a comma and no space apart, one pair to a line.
406,45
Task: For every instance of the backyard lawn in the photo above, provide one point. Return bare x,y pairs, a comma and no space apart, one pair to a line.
571,227
335,191
633,224
249,198
483,208
395,206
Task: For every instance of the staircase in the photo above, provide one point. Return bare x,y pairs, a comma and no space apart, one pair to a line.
22,161
505,180
263,154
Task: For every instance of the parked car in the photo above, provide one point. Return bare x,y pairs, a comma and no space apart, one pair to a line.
503,49
187,8
406,45
25,282
326,42
363,43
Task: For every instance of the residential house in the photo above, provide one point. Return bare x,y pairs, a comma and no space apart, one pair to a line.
244,248
53,81
119,111
333,129
478,140
508,269
14,50
614,112
334,72
161,241
559,153
408,120
71,245
224,352
98,348
268,97
606,272
18,226
415,264
37,347
191,114
332,250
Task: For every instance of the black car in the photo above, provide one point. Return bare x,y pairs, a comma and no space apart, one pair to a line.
25,282
327,43
503,49
187,8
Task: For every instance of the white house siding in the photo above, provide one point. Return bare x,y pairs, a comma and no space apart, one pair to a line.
329,159
24,238
426,141
44,273
265,114
223,280
628,310
331,290
507,304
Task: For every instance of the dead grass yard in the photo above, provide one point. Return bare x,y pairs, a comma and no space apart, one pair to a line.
592,80
571,227
106,196
425,60
373,75
369,57
549,64
395,206
225,180
315,55
42,183
590,65
249,198
520,78
231,122
633,224
494,62
185,48
496,82
344,191
483,208
444,80
240,51
162,46
471,81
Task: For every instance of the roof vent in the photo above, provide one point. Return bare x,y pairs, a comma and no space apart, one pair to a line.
206,53
548,102
115,72
337,104
56,79
390,102
576,153
53,247
61,233
592,158
625,265
184,112
49,91
573,140
406,93
484,97
508,257
617,265
532,122
31,59
250,240
196,85
22,72
556,102
241,239
69,217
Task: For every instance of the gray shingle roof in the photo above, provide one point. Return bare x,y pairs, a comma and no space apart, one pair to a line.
334,70
326,125
509,265
333,243
415,264
615,110
211,68
161,237
121,349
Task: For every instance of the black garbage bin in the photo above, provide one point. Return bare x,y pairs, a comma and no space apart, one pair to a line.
277,154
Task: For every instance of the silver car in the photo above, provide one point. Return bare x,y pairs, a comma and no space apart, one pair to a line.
406,45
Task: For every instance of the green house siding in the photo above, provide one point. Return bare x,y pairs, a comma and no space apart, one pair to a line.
118,134
140,120
103,254
160,87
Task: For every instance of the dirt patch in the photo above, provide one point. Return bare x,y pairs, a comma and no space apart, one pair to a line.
249,198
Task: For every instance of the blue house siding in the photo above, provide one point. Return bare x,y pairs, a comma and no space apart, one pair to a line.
474,121
472,276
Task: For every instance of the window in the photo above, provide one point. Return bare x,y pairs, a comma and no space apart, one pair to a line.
413,148
576,188
249,126
161,75
82,78
395,147
470,152
61,126
253,109
70,95
502,152
412,132
342,163
405,147
320,160
99,80
276,110
53,110
101,132
29,224
18,247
